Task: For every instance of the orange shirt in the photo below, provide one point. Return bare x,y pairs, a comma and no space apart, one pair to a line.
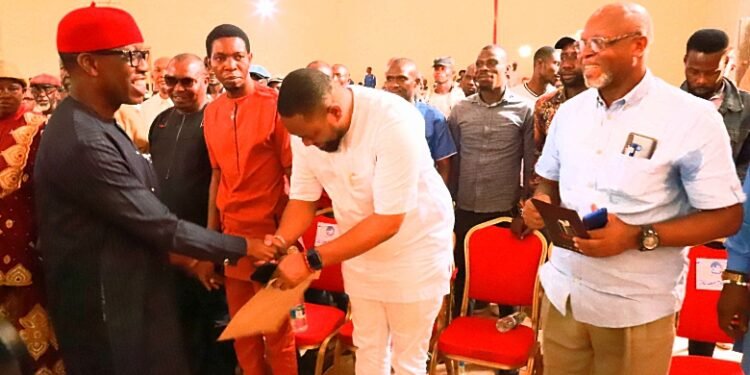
248,143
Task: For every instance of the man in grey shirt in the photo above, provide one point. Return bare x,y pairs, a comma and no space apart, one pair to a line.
494,134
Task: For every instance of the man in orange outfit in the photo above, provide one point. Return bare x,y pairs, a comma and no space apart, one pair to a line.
250,156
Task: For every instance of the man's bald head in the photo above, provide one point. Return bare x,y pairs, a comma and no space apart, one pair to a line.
613,48
321,66
406,64
340,74
402,78
622,18
189,58
157,74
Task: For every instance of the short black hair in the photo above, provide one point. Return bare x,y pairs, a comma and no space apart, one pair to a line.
302,92
225,31
544,53
708,41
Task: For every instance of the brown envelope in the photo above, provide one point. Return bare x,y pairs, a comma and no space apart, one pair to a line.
266,311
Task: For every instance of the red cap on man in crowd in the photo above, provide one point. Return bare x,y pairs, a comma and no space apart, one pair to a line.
45,80
96,28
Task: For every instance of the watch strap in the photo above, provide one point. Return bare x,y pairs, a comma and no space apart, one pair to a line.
313,260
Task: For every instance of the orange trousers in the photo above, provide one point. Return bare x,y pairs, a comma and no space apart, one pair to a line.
252,352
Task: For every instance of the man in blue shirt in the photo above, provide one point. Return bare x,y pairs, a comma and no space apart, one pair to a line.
734,303
401,79
370,80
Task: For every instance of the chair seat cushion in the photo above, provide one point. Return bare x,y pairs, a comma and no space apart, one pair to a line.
693,364
345,334
476,337
321,322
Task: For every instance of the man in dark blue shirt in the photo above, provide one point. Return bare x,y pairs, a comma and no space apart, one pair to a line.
370,80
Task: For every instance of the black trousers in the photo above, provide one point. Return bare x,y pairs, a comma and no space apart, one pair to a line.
465,220
203,315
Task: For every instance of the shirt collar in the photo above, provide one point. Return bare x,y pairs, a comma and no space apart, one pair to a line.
732,100
508,98
634,96
729,94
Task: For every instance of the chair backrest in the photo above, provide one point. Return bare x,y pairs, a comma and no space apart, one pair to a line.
330,277
308,238
501,268
698,317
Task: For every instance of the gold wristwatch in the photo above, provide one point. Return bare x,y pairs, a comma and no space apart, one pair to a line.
736,278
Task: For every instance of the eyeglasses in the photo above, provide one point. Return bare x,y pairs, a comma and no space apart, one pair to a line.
597,44
134,57
172,81
43,89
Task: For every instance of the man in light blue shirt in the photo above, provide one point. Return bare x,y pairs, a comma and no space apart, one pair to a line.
659,160
401,79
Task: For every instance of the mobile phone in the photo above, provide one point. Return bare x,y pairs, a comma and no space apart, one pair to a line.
596,219
264,273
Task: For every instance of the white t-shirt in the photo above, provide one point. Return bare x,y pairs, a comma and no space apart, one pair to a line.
153,107
523,91
446,102
383,166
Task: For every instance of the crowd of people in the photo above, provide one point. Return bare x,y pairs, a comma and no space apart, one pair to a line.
130,228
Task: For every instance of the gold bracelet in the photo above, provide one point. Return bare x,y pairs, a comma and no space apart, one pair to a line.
282,240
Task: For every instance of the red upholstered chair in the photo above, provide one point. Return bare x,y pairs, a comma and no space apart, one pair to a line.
699,321
501,269
323,321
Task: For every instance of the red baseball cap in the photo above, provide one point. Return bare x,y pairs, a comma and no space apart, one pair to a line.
96,28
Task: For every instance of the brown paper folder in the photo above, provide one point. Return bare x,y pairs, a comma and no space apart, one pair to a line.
266,311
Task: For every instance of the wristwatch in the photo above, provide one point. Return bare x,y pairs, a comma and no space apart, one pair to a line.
649,238
313,260
732,277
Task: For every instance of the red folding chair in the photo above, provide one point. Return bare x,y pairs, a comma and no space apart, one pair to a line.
323,321
699,321
501,269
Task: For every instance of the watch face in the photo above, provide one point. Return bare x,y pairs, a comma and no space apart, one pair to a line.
650,242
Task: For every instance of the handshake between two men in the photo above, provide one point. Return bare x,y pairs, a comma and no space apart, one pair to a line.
276,260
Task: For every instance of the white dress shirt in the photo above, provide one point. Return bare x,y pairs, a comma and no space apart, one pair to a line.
383,166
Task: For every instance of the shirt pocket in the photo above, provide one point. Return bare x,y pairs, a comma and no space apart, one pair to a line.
632,178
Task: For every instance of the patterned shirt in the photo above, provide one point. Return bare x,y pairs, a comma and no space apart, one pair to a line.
544,110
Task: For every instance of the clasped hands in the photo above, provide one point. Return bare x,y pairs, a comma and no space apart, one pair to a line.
292,268
614,238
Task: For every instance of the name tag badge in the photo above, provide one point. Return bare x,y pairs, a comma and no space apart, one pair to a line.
639,146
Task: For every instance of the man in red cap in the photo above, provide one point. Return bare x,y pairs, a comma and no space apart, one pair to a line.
22,297
46,91
104,234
